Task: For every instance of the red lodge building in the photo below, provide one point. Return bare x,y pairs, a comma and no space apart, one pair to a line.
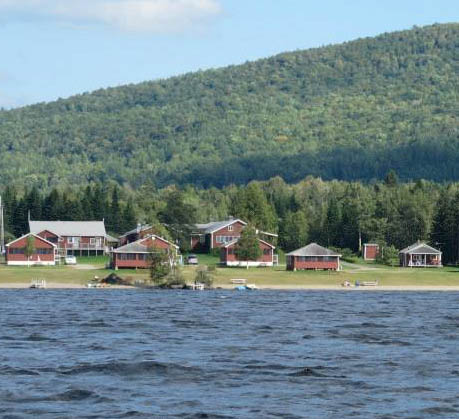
73,237
228,255
218,234
135,255
44,252
313,256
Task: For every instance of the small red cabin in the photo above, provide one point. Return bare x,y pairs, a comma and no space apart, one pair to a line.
135,255
228,255
44,252
370,251
313,256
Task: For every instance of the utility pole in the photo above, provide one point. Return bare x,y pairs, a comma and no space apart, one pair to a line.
2,229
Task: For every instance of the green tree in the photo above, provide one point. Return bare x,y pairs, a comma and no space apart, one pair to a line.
29,248
248,247
294,230
160,267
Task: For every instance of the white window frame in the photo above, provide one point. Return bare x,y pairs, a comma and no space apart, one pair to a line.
230,227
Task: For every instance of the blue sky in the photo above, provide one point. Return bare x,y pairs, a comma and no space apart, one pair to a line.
57,48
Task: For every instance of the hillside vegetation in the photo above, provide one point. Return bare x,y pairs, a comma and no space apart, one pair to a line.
351,111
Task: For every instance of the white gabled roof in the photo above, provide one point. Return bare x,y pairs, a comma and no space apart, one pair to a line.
421,248
70,228
236,240
30,234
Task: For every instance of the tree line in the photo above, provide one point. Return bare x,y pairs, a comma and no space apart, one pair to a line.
335,213
351,111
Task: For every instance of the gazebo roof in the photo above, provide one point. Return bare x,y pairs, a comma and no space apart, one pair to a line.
420,248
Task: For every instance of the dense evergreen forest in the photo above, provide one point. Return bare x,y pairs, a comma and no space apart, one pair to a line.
351,112
333,213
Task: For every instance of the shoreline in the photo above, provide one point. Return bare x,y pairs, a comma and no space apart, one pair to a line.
318,287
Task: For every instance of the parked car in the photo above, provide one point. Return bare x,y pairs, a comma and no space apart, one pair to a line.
191,259
70,260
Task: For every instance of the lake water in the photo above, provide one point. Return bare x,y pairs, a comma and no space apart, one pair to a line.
262,354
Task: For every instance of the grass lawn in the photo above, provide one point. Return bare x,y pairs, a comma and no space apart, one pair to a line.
264,277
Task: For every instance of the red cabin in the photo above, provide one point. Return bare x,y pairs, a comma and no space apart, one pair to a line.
313,256
370,251
228,255
44,252
135,255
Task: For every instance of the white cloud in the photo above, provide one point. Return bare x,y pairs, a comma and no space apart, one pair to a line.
158,16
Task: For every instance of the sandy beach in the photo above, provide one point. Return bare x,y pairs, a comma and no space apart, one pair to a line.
310,287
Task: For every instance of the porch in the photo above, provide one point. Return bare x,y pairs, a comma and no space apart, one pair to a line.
423,260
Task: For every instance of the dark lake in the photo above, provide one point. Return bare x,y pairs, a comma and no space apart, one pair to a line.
224,354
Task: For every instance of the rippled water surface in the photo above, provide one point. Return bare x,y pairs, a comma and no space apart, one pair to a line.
117,354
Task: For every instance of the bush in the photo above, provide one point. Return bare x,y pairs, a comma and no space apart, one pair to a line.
346,254
203,276
215,252
388,256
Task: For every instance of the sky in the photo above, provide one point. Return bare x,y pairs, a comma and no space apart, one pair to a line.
53,49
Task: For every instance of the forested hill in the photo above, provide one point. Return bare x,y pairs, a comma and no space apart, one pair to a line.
348,111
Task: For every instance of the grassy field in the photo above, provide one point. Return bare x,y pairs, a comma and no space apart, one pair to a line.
89,267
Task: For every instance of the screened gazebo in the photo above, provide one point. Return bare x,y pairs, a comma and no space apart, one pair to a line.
420,255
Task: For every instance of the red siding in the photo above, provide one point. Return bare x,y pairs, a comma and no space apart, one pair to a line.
129,263
227,256
370,251
117,262
237,228
294,263
21,244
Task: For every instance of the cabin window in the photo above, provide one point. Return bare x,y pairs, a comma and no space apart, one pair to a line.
202,239
224,239
141,256
131,256
122,256
266,251
16,251
43,251
230,228
92,240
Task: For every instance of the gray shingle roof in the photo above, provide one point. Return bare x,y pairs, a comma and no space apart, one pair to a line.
69,228
134,247
420,248
313,249
138,247
138,228
215,225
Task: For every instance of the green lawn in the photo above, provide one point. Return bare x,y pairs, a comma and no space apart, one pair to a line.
265,277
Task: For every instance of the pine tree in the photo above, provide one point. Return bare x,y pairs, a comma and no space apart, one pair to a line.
294,230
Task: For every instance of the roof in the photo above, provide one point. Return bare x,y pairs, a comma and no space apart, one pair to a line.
142,227
30,234
111,238
216,225
69,228
313,249
420,248
138,247
236,240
